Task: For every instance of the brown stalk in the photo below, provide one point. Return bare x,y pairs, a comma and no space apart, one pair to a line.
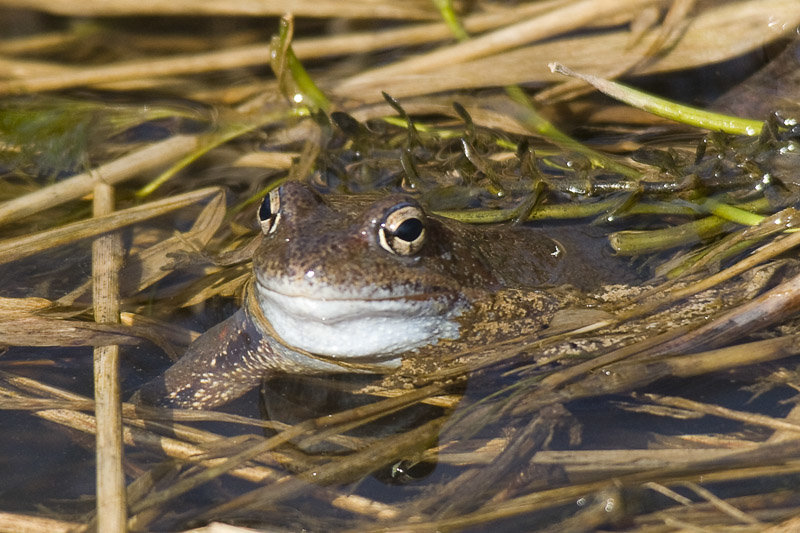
19,247
414,9
106,264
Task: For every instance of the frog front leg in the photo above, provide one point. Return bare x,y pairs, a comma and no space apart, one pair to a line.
222,364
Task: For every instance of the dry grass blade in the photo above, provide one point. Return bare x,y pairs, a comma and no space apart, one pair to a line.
669,295
178,448
455,70
649,45
148,266
18,68
792,524
32,76
35,331
774,305
151,69
22,307
736,28
559,20
414,9
366,460
734,466
38,404
38,42
134,164
228,464
19,247
226,283
716,410
171,447
221,527
106,264
355,465
592,464
489,480
132,436
20,523
642,369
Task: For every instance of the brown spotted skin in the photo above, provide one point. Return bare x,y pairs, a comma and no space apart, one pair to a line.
335,240
224,363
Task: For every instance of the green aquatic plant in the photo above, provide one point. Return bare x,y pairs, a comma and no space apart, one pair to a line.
54,136
661,107
293,79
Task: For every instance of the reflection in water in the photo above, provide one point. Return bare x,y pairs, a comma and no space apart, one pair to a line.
295,399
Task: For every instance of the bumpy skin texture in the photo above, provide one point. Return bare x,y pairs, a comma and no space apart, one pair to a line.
224,363
322,251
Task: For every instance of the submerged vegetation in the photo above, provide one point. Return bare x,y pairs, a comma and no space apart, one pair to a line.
131,172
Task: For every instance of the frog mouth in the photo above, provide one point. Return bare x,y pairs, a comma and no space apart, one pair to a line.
374,329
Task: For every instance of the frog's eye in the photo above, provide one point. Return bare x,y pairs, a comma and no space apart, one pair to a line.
403,230
269,214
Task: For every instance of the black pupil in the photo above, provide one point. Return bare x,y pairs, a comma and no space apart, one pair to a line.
264,212
409,230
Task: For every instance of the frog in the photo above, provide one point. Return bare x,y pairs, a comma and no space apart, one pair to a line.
353,283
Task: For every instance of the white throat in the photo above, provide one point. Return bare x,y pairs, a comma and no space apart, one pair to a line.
363,329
